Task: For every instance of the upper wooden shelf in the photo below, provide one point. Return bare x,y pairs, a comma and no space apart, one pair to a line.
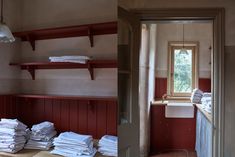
89,30
90,65
71,97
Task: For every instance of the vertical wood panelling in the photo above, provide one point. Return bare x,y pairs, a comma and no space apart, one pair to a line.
101,119
56,114
83,117
64,115
111,118
171,133
205,84
73,116
48,109
92,118
38,108
95,117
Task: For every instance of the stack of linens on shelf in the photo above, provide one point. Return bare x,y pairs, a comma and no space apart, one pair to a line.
108,145
12,135
206,102
41,136
72,59
70,144
196,96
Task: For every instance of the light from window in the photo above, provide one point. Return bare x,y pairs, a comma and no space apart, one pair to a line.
182,69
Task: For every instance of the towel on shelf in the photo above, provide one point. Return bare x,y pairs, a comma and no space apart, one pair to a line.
72,59
74,145
12,135
41,136
207,102
108,145
196,96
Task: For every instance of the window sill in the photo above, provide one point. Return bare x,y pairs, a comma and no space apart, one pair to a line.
171,100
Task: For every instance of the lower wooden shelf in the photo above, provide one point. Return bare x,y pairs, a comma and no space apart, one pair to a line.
90,65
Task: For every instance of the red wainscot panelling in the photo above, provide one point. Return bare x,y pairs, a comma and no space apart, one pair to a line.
8,107
93,116
171,133
161,86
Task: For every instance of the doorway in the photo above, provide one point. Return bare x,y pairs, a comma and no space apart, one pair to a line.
216,15
183,53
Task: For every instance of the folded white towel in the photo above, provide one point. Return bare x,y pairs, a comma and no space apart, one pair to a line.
43,137
67,153
108,145
69,61
12,124
43,127
71,57
76,138
12,132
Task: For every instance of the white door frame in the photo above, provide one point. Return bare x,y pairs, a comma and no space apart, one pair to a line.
217,15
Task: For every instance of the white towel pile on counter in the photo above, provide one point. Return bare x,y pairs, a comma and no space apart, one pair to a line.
12,135
206,102
71,59
196,96
108,145
70,144
41,136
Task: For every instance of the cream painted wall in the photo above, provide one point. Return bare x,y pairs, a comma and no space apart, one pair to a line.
9,77
39,14
55,13
75,81
229,5
196,32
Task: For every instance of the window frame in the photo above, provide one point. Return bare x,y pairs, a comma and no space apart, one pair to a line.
170,77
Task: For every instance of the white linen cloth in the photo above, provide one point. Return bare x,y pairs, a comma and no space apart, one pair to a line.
108,145
12,135
207,102
41,136
72,59
72,144
196,96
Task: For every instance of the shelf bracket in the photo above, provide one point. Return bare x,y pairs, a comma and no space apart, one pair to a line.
91,36
32,72
91,71
31,40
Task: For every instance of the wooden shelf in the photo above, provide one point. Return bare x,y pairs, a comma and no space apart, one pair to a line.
89,30
90,65
70,97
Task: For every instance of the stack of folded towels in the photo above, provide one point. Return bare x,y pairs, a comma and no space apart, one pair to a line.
196,96
206,102
108,145
72,59
74,145
41,136
12,135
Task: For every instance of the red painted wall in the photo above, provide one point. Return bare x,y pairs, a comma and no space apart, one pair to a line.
93,117
171,133
161,86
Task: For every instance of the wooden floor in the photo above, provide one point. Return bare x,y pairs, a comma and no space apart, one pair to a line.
178,153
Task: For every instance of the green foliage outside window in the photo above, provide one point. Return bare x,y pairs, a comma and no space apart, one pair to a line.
182,71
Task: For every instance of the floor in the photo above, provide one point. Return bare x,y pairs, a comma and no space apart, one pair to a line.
176,153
